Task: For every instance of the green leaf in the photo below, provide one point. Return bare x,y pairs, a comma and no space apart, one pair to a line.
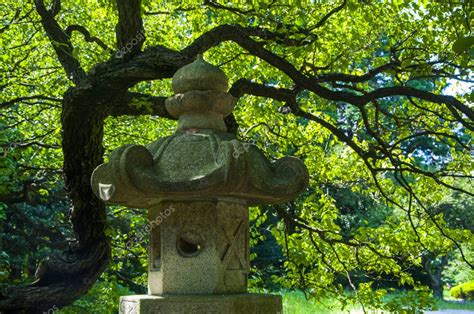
300,22
463,44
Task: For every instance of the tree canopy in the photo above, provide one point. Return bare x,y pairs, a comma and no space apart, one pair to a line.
374,96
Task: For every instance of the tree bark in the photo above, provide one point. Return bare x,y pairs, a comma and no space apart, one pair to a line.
63,279
434,266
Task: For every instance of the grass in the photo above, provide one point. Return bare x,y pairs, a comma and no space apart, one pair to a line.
450,303
294,302
455,305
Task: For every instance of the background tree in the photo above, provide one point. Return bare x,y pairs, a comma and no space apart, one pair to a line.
354,88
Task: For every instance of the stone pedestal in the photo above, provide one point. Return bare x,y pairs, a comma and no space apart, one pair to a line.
198,247
197,304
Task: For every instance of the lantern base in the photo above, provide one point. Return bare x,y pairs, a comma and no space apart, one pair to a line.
247,303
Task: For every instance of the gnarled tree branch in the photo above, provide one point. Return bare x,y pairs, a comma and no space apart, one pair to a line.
61,44
138,104
87,35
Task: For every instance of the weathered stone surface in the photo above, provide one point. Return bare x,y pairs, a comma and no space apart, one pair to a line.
199,75
198,184
202,304
200,161
198,247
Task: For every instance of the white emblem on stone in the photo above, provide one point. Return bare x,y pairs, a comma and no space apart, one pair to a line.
106,191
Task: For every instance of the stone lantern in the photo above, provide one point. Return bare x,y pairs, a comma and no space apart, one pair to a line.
197,185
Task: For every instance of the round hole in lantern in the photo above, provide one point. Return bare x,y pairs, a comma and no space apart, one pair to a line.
188,249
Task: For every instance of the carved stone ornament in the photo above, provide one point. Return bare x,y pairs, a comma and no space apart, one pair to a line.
199,161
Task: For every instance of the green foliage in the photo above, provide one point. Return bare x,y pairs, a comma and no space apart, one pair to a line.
463,44
103,297
463,291
456,272
366,231
294,302
409,302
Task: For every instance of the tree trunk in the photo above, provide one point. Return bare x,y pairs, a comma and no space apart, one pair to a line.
434,266
64,278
